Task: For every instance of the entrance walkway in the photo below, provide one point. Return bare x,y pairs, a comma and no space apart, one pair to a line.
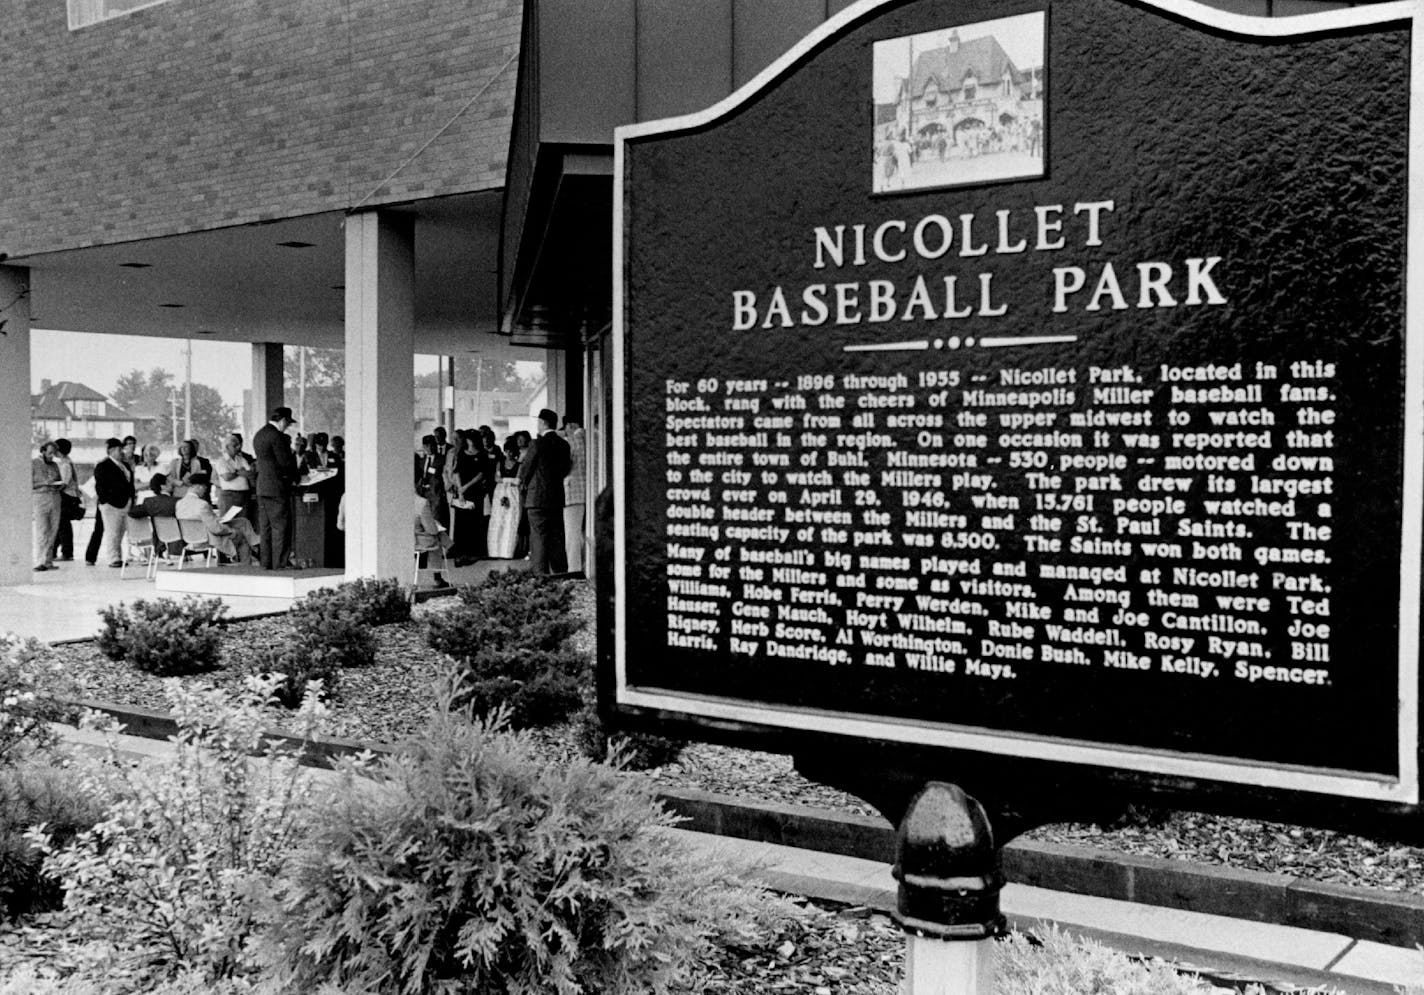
63,604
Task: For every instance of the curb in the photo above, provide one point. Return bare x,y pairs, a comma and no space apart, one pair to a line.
1394,919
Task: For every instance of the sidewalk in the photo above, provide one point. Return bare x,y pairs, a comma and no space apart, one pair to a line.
62,605
1219,947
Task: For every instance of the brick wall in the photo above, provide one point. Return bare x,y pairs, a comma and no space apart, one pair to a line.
197,114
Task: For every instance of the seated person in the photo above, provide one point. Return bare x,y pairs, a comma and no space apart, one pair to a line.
429,534
159,502
235,539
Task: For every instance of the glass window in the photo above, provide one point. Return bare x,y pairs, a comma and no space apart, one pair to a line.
83,13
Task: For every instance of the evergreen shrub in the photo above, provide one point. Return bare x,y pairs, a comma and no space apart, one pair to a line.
463,864
379,602
163,636
294,665
335,626
538,688
509,639
32,793
635,751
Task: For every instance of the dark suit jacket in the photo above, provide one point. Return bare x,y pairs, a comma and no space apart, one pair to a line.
542,472
276,463
113,485
156,506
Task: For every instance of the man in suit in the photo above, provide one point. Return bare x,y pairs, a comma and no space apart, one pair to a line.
277,471
113,486
541,486
158,502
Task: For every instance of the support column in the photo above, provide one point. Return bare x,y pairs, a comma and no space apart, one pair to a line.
556,374
268,388
380,394
16,538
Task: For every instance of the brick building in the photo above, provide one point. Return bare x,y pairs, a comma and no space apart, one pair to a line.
391,176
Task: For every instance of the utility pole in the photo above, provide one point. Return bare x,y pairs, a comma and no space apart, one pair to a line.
302,387
188,394
173,414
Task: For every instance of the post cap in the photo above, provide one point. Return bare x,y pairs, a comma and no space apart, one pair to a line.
948,867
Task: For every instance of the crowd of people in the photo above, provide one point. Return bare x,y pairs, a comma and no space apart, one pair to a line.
480,499
474,497
221,499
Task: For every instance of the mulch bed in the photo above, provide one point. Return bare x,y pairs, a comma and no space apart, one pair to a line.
390,700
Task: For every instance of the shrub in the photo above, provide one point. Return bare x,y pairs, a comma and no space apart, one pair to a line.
463,864
94,981
537,688
1053,963
635,751
182,865
33,687
517,597
163,636
335,626
508,639
36,793
383,602
295,667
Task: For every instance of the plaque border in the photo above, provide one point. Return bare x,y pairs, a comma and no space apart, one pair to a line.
1405,789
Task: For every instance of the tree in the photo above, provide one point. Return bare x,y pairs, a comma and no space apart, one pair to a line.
478,372
154,393
325,401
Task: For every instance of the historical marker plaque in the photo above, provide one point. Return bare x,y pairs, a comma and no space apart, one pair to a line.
1038,380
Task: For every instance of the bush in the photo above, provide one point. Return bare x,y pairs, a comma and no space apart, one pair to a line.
518,597
378,602
1054,963
182,867
33,687
331,623
508,639
635,751
165,637
538,688
463,864
36,793
294,666
383,602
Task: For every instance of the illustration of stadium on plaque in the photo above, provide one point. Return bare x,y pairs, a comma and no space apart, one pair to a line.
960,105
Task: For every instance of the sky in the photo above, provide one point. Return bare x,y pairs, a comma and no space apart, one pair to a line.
1020,37
97,360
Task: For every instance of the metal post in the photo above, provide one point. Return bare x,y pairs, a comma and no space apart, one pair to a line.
950,878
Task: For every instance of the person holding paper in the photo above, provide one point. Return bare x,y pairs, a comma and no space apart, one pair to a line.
233,537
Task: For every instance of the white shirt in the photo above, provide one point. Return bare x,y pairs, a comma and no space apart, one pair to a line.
232,464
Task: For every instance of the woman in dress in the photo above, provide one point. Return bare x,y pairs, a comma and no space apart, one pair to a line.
506,510
467,499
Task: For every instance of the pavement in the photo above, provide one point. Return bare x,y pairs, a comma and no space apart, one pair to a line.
1223,949
62,605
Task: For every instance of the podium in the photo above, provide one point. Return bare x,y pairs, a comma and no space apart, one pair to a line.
316,541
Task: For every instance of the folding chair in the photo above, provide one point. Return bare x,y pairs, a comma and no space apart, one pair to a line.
168,541
138,545
436,550
202,547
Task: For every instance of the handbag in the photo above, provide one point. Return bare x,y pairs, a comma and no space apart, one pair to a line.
71,507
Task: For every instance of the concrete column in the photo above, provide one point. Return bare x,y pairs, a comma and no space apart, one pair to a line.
16,521
267,384
380,394
556,372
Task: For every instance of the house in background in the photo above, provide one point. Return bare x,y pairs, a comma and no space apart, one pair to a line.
79,413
